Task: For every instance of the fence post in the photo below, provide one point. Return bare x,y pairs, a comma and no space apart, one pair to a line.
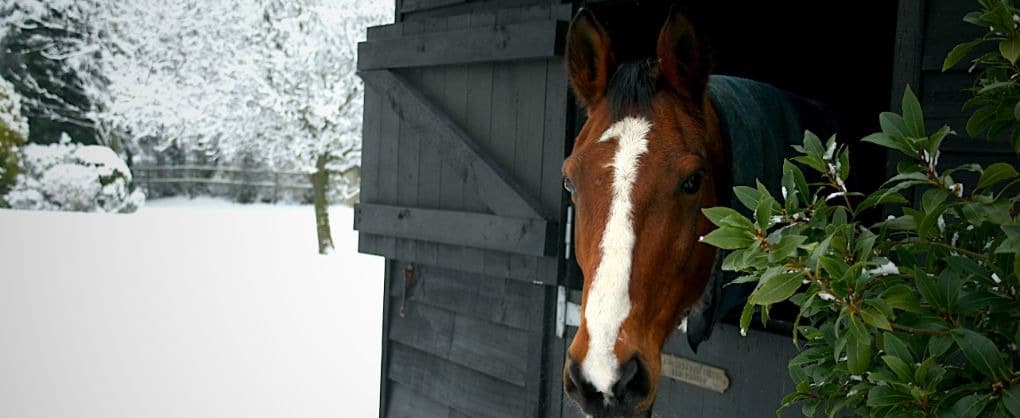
276,186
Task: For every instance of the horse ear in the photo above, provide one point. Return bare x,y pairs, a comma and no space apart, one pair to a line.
681,59
589,58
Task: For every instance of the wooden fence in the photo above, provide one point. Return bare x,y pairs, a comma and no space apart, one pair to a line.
188,176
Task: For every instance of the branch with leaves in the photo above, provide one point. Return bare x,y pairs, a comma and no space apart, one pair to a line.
915,315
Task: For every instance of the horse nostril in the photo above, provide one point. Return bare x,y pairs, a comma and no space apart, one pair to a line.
574,384
634,384
631,389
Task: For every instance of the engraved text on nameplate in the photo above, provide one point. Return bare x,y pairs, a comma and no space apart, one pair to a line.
697,374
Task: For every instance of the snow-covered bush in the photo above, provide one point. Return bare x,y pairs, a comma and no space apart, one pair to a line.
13,131
73,177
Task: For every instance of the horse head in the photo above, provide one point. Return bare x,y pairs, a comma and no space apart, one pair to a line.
648,159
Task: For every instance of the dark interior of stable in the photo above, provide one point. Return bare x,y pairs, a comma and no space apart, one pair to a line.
838,53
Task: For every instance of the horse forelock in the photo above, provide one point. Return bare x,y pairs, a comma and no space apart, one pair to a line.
632,89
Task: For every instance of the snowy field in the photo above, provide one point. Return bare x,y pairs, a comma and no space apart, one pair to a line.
187,308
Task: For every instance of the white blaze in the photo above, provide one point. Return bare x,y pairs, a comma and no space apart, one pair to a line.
608,302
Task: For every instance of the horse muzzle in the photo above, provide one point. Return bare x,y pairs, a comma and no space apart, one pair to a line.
630,395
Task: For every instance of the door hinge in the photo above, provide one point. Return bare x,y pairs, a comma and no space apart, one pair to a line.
567,313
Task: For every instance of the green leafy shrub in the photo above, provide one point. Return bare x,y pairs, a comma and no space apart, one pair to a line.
996,101
915,315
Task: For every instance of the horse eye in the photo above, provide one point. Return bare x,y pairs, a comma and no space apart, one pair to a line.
568,185
691,184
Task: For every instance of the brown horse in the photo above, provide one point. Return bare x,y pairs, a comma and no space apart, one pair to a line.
662,141
646,162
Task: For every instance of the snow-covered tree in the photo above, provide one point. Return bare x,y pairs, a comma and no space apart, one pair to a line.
230,78
44,53
13,132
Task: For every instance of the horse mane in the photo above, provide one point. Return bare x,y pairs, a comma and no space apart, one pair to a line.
631,89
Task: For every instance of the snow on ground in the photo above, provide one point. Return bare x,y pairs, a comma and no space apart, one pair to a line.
187,308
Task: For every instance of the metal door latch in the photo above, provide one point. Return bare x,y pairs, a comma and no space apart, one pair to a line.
567,312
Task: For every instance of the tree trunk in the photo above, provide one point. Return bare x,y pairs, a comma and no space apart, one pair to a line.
320,182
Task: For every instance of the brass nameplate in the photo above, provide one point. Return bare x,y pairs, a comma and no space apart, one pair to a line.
697,374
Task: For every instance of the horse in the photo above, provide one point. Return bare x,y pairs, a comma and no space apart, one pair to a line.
659,144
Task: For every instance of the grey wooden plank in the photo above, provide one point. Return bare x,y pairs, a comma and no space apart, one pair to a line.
562,11
407,169
483,17
496,264
523,236
521,41
472,262
418,5
370,146
393,30
422,327
490,348
457,414
540,339
522,13
907,66
553,363
459,387
478,88
501,192
554,136
506,102
909,44
430,163
502,145
454,100
389,148
459,21
474,7
406,403
384,344
755,365
530,126
499,301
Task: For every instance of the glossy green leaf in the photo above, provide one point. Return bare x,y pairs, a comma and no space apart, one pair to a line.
995,173
880,396
748,196
1011,400
776,289
894,346
786,247
901,297
970,406
899,367
980,353
724,216
958,53
932,199
893,125
1011,245
979,121
729,238
913,117
875,318
1010,49
745,317
858,347
939,345
895,142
